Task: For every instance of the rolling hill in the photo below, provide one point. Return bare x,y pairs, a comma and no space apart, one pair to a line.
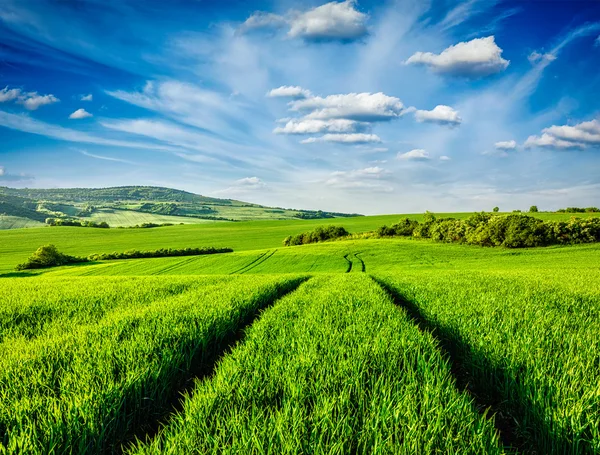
133,206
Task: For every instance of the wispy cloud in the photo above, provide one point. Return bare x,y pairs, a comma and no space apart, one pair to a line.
106,158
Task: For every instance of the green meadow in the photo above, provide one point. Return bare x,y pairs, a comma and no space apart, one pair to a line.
395,345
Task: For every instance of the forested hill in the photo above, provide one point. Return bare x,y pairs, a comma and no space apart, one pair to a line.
131,206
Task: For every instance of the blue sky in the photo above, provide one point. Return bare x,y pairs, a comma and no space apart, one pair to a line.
362,106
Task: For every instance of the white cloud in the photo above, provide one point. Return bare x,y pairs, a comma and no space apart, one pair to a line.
80,114
261,19
314,126
105,158
9,95
367,107
445,158
443,115
2,171
476,58
597,41
351,138
506,145
414,155
578,136
289,91
377,150
33,101
548,141
250,183
536,57
89,97
332,21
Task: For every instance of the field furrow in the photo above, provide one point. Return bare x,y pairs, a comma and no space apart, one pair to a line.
103,368
335,367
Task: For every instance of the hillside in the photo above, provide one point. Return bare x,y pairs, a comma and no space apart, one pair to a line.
133,205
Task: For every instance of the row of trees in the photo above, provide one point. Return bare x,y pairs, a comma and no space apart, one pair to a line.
511,231
534,209
76,223
319,234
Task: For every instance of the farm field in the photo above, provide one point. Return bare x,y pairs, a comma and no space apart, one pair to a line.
125,218
17,244
356,346
16,222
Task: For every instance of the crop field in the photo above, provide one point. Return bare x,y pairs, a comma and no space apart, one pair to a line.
356,346
16,222
124,218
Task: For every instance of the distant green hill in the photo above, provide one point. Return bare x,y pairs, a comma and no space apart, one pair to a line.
133,205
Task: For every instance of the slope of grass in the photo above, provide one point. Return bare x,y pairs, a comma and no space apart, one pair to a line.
125,218
85,363
17,222
334,367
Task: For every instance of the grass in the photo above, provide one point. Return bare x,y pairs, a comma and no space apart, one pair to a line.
86,364
454,348
124,218
334,367
16,222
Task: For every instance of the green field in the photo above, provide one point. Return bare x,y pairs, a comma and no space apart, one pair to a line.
355,346
16,222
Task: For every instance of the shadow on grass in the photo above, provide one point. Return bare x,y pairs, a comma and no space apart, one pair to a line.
151,418
19,274
520,424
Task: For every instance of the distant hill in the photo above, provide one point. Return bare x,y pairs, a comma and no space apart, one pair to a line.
133,205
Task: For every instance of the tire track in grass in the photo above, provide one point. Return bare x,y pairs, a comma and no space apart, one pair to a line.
349,269
257,263
202,367
451,346
363,267
249,264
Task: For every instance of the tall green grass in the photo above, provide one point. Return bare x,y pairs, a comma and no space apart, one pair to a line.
333,368
84,366
531,347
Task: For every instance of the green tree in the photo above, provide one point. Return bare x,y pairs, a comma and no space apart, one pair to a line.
533,209
496,209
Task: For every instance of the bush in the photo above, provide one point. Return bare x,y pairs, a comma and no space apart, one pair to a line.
510,231
161,253
319,234
48,256
76,223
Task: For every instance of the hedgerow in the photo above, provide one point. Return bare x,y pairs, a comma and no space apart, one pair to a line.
319,234
511,231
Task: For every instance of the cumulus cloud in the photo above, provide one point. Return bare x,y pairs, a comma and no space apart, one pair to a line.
80,114
7,94
89,97
414,155
443,115
333,21
250,183
476,58
289,91
445,158
262,20
563,137
366,107
314,126
505,145
536,57
31,100
350,138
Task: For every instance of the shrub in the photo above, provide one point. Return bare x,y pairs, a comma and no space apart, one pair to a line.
48,256
161,253
511,231
319,234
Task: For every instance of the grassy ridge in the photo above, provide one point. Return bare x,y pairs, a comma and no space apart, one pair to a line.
333,368
84,364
